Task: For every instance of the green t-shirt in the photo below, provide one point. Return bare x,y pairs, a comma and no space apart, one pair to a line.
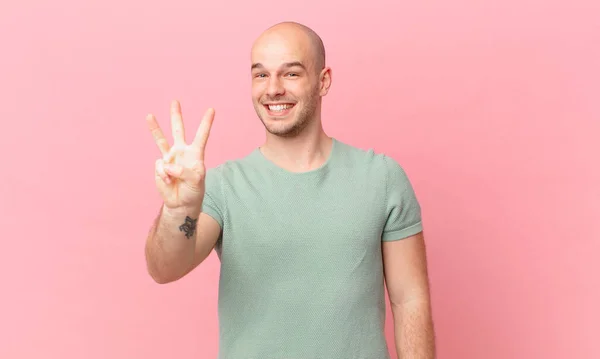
301,272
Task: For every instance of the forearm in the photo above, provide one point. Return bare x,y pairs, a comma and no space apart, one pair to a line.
413,330
171,244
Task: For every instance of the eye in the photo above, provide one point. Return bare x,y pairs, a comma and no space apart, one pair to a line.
292,74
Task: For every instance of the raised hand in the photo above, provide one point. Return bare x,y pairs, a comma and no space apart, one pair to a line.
180,173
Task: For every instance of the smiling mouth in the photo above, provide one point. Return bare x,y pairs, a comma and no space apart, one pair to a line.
279,109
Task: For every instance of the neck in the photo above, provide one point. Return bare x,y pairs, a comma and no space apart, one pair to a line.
306,151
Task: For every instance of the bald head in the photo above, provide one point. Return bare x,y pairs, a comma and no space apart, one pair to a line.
296,38
289,78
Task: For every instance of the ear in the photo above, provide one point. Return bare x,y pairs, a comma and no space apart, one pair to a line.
325,81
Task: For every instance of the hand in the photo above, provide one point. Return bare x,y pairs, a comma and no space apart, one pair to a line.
180,173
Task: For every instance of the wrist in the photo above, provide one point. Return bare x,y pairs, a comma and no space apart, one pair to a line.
181,212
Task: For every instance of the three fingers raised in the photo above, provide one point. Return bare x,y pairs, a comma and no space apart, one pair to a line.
200,140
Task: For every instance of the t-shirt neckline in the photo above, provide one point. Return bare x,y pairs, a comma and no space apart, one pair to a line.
328,162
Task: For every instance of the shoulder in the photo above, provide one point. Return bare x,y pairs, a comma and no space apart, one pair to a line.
370,160
230,169
376,169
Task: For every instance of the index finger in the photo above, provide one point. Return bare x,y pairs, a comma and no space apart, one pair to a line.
159,137
203,132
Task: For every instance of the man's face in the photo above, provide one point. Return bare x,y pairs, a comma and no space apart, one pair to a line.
285,84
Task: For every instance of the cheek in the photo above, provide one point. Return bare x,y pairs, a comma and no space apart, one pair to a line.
256,91
297,90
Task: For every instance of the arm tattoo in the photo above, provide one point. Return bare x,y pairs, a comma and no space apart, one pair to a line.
189,227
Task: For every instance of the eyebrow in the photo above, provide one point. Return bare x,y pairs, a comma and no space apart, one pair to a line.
285,65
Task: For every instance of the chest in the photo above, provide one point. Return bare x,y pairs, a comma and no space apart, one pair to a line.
289,227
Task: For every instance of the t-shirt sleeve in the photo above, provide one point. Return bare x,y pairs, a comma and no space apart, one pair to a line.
212,204
402,207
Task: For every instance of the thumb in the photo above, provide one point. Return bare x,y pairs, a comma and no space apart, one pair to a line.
182,173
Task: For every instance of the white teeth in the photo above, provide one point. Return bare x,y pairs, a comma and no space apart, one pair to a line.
278,108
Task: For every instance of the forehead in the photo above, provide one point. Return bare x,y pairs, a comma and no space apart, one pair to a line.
273,50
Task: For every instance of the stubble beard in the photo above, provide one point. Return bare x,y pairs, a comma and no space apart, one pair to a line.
301,120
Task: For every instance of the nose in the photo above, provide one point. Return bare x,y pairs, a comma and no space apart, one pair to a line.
275,87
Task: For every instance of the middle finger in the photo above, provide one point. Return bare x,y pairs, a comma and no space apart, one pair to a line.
177,123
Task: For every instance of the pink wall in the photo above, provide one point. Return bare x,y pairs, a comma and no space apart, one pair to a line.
491,106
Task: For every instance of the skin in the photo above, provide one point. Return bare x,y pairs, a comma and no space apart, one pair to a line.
287,67
296,140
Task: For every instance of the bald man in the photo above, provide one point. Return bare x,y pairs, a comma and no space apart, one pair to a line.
306,227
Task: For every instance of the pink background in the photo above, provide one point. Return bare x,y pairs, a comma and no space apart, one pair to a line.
491,106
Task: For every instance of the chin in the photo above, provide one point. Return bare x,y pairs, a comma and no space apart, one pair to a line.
285,128
284,132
